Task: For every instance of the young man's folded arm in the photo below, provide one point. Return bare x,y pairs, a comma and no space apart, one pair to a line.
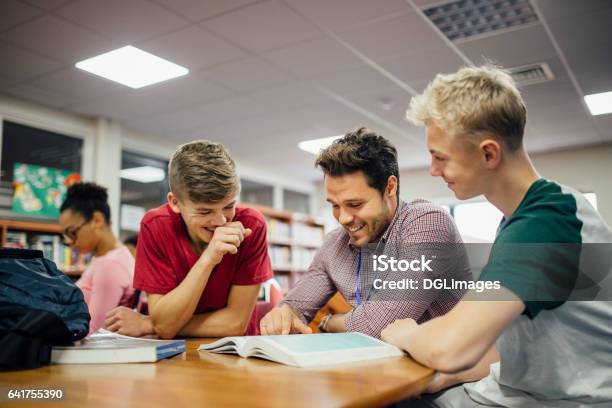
231,320
171,311
458,340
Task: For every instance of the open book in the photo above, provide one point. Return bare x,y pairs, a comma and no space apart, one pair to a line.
104,347
306,350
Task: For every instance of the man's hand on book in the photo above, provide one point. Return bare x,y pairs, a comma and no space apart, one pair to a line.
282,320
226,239
128,322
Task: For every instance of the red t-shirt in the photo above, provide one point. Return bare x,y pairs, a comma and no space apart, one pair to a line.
165,256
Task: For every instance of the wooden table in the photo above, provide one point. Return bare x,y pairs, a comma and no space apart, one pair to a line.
213,380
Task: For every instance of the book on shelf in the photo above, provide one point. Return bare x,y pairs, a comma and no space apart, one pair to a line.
279,255
307,235
278,230
104,347
306,350
301,258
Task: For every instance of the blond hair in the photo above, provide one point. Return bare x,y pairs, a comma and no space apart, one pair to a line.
477,101
204,171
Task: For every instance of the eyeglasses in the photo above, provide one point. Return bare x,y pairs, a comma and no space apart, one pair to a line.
69,235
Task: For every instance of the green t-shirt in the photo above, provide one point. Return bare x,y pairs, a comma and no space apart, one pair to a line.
536,253
558,353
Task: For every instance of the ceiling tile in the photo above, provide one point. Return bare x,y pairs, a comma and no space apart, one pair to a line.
78,84
124,21
6,82
604,123
209,114
24,64
282,26
46,4
160,100
42,96
512,48
192,47
198,10
14,12
288,96
259,128
404,35
311,58
416,69
353,81
584,38
186,91
129,104
423,4
339,15
553,9
388,104
569,116
558,138
552,93
246,74
69,42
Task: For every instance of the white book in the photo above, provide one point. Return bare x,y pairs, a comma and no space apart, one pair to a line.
104,347
306,350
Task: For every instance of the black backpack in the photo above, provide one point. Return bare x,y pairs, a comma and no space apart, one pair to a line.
39,307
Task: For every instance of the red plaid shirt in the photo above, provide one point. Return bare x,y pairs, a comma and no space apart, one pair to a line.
334,268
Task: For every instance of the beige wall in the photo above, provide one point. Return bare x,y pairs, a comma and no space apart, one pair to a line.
586,169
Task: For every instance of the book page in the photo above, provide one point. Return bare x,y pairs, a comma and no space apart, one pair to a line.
226,344
313,343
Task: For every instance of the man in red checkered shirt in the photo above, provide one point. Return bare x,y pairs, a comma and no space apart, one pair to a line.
362,186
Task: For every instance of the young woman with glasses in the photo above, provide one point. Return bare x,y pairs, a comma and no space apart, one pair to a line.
86,224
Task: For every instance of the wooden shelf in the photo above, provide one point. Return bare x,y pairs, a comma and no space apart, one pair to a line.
37,228
280,241
282,215
30,226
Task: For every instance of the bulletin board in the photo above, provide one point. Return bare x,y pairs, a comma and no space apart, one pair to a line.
40,190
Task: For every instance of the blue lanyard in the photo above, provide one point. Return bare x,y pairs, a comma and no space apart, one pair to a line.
357,294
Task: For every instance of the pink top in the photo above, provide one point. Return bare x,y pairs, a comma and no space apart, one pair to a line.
107,283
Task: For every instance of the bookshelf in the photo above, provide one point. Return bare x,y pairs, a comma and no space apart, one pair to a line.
293,240
45,236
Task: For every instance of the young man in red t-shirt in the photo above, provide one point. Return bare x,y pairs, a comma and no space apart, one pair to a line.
200,258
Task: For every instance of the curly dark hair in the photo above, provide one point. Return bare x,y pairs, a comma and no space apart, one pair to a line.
85,199
361,150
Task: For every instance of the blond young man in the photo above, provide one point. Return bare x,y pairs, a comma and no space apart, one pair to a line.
552,352
200,258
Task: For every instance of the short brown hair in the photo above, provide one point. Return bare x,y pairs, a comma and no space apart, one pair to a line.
361,150
204,171
475,101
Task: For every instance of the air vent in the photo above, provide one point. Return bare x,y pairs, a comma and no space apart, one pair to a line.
531,74
462,19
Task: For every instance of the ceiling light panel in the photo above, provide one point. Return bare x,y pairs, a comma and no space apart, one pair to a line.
600,103
132,67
